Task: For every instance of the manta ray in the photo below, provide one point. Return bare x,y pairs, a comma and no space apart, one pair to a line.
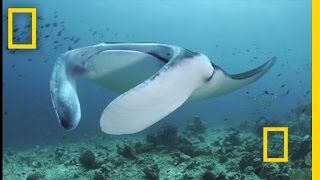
153,79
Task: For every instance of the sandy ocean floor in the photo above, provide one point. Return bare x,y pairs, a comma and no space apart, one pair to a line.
191,152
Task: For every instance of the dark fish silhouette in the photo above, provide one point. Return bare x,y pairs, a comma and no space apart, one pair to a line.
77,40
288,92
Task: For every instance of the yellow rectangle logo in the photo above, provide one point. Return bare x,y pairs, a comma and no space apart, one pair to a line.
33,12
285,144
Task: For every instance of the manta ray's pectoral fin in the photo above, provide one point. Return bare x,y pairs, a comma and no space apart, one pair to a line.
158,96
238,81
254,74
223,83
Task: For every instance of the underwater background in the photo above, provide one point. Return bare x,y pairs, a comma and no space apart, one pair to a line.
235,35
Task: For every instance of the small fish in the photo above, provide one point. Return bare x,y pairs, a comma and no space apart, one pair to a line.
94,33
247,50
77,40
29,59
308,92
15,29
288,92
6,113
283,85
303,110
247,92
55,24
116,34
47,25
46,36
69,47
255,58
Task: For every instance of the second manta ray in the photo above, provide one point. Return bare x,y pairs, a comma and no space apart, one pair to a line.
153,79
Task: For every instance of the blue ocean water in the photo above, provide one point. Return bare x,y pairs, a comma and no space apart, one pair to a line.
236,35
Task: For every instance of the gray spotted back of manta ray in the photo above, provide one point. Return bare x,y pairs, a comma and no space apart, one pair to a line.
152,80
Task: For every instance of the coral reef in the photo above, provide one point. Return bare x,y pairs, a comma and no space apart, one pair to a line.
196,126
126,151
170,153
87,160
151,172
167,135
35,176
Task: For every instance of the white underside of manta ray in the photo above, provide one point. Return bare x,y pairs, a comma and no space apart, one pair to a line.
153,79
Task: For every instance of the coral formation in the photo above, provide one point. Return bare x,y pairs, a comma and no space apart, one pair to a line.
196,126
151,172
87,160
35,176
126,151
167,135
